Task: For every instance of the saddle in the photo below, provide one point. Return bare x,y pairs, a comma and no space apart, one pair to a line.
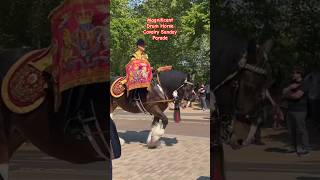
23,87
119,86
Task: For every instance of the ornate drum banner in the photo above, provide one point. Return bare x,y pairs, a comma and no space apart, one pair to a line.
80,42
139,74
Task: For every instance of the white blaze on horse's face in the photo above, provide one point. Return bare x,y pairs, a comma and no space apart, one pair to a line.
250,136
242,134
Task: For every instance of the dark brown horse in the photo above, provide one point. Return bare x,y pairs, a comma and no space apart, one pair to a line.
241,72
170,81
46,129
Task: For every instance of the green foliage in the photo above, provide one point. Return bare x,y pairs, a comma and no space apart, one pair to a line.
26,23
187,51
294,25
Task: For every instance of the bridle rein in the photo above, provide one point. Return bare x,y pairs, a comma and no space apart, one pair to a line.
242,66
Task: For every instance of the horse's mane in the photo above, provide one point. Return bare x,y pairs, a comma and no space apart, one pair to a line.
226,54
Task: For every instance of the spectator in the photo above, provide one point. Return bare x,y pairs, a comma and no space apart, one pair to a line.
207,87
193,97
202,97
296,96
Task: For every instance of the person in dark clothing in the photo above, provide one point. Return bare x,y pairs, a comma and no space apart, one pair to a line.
296,96
202,97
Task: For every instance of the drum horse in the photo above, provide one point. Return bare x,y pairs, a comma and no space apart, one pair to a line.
241,72
169,86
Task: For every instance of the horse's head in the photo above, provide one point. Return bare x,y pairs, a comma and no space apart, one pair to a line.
251,82
176,83
185,91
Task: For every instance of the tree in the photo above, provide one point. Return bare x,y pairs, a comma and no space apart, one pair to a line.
183,51
292,24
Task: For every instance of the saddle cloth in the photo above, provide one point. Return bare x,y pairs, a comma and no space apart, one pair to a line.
119,86
23,86
139,74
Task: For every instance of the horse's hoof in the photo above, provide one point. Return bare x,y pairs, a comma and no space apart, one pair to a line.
162,143
153,144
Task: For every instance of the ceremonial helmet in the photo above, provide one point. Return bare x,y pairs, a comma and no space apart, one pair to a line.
140,42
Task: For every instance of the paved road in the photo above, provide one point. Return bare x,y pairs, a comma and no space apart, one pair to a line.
194,122
185,154
30,164
271,161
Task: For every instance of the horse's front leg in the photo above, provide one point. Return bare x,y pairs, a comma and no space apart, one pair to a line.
158,127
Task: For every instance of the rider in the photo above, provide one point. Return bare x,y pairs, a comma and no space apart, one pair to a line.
141,55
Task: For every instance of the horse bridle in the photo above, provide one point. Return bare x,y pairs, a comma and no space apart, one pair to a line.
174,100
243,66
257,70
175,92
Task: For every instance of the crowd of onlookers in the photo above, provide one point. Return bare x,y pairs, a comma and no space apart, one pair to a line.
200,94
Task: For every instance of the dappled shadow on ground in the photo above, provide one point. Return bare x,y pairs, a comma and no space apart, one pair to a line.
308,178
141,137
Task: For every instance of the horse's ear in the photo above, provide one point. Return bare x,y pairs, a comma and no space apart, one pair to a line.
267,46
